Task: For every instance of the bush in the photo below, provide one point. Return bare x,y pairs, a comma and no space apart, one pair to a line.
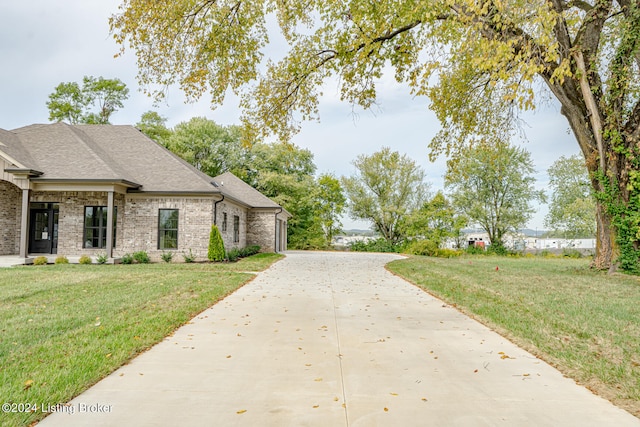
448,253
41,260
497,249
127,259
236,253
233,254
167,256
189,257
101,258
62,260
429,248
215,251
547,254
141,257
249,250
85,259
571,253
475,250
378,245
422,247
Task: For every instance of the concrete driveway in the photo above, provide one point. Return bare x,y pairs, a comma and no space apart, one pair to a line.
333,339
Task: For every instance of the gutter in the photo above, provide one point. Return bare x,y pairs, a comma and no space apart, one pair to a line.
275,240
215,210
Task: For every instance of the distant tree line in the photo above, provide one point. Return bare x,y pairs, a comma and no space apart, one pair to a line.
489,185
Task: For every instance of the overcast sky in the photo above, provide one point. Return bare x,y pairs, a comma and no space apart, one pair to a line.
44,43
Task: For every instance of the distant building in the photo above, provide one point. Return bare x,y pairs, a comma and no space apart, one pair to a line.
346,241
556,243
521,242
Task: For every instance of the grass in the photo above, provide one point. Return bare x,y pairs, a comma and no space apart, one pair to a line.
65,327
584,322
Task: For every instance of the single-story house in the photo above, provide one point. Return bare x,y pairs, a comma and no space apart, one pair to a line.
111,190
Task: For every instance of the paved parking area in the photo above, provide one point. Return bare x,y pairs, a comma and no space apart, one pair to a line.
333,339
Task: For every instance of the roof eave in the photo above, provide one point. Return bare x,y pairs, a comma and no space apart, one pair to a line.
174,192
24,171
123,182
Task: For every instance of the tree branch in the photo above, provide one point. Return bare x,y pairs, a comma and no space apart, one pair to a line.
592,107
560,28
582,5
588,36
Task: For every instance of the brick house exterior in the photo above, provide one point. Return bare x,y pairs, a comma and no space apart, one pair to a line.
104,189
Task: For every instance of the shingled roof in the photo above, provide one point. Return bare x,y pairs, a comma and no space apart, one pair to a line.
234,187
85,153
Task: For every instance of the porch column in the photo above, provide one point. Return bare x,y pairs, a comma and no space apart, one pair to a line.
24,224
110,224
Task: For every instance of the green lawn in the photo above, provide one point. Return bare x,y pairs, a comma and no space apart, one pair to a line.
586,323
65,327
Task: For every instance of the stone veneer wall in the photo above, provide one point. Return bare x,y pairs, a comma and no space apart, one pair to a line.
261,230
195,216
71,217
231,209
10,215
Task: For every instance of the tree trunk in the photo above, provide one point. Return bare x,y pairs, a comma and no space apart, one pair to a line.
606,248
598,160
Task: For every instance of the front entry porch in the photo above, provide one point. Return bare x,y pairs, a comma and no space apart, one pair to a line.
43,228
14,260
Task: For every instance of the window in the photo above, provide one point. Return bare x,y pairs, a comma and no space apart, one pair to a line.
168,229
95,227
236,229
224,221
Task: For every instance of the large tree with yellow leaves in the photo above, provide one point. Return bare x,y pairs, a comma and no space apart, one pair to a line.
478,61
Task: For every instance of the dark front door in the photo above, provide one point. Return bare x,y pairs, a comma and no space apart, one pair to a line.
43,230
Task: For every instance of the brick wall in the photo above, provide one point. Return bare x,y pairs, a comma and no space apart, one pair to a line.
10,213
231,209
261,230
71,217
140,233
137,222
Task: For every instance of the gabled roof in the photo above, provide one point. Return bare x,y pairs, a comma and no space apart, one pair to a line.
106,152
116,153
11,150
233,186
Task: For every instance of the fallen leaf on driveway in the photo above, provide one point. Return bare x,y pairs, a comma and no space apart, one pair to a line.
241,411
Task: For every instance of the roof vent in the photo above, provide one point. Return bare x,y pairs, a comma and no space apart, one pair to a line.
215,184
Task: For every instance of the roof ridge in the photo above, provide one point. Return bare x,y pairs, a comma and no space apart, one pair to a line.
207,178
98,152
